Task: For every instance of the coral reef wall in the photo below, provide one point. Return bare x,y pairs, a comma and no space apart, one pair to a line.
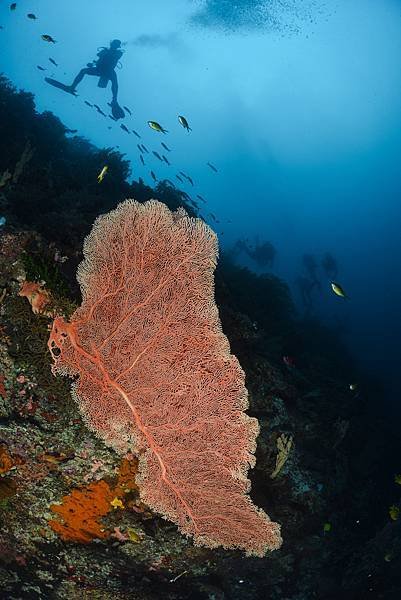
73,524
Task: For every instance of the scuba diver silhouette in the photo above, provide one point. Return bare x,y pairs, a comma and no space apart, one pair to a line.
306,286
329,265
103,68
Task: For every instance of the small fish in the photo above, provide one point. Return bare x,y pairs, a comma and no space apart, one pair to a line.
397,478
124,128
102,173
88,103
165,160
289,361
179,178
153,176
117,503
99,110
212,167
139,147
353,387
157,155
53,62
327,527
40,68
31,16
190,180
71,130
127,109
48,38
338,290
142,161
201,198
183,174
55,457
157,127
145,149
394,512
165,147
184,123
135,133
133,536
213,217
3,221
13,6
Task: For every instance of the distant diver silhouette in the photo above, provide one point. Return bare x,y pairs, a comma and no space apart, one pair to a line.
329,265
262,253
103,68
306,286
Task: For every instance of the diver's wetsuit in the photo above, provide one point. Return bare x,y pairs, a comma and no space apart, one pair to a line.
104,69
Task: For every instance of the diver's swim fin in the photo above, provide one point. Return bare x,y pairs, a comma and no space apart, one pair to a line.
61,86
116,110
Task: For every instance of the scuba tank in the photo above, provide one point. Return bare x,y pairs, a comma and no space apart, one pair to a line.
100,64
107,61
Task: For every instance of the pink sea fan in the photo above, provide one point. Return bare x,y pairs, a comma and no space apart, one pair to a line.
155,374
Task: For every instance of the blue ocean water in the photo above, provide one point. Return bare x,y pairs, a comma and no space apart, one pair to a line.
297,105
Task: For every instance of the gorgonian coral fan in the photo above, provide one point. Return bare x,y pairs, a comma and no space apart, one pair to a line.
155,373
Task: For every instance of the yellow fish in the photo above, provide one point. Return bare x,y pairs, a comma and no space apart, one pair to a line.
338,290
133,536
156,126
102,173
116,503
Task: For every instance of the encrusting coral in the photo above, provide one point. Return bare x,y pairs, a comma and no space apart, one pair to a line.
37,296
6,461
81,510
